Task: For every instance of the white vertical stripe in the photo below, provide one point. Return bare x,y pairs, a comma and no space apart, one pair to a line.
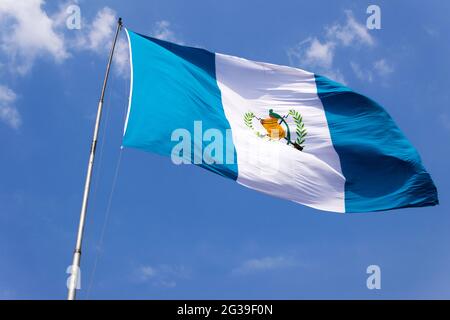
312,177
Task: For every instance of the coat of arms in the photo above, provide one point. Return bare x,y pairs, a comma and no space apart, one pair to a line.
277,128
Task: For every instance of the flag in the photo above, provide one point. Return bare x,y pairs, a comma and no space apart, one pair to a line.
280,130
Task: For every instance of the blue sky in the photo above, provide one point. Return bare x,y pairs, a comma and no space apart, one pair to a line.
180,231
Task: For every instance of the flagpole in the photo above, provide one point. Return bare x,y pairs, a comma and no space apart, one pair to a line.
77,253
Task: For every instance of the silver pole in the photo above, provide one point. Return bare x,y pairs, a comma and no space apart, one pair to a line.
77,253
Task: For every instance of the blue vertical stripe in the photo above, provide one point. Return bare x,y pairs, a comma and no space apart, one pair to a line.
383,171
174,86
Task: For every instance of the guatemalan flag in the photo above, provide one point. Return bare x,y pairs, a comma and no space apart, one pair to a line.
286,132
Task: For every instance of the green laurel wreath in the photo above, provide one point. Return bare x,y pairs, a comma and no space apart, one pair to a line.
300,127
248,120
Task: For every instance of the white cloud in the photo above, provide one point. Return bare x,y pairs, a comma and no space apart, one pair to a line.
8,112
311,53
320,54
162,30
97,37
264,264
27,32
382,67
147,272
361,73
59,17
99,33
121,59
350,33
162,275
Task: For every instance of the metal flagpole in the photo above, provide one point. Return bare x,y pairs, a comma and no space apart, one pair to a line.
77,253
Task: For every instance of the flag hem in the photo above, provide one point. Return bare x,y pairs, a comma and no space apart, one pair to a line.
131,82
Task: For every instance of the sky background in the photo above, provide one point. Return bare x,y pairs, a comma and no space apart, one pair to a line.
180,232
